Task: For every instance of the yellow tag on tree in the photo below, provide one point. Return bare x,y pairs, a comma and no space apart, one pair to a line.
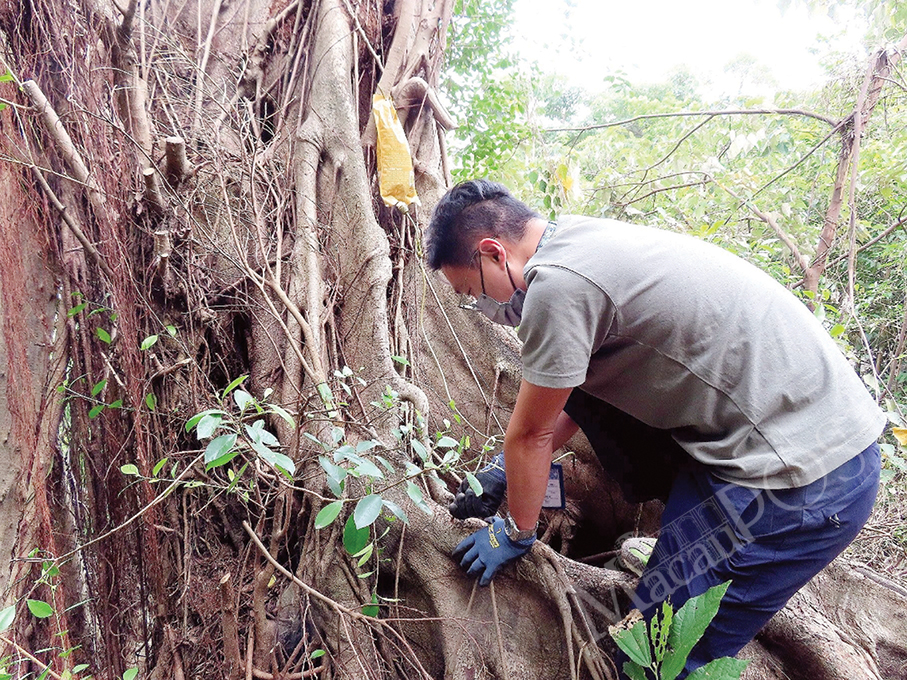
396,179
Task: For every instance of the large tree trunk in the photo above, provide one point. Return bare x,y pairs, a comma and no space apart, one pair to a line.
190,197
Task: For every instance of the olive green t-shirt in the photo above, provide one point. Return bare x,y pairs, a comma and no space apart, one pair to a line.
687,337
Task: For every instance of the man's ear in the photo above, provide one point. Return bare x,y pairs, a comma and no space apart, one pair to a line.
493,249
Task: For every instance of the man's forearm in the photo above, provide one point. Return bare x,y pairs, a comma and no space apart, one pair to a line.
527,462
528,443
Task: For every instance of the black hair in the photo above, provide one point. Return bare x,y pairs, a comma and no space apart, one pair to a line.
469,212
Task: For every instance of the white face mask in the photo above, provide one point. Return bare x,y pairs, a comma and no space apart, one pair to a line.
505,313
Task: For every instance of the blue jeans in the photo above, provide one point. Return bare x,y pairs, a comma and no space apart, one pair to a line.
768,543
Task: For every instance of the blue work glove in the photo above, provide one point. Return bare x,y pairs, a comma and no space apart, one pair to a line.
489,549
494,484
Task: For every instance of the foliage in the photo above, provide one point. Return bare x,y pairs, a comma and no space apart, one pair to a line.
486,90
660,650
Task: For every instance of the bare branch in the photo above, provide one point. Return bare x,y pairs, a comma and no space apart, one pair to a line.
72,224
683,114
900,223
152,190
802,261
68,150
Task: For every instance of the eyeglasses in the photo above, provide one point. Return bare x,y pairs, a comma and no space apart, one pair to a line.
467,302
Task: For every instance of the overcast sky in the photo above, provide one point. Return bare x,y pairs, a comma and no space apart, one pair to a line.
648,39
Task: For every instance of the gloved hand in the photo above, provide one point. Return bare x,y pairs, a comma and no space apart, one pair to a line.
494,484
489,549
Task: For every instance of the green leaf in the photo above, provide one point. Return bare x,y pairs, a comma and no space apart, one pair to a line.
283,413
334,472
366,445
103,335
368,468
659,628
171,330
836,330
78,668
130,469
371,609
7,616
223,460
75,310
96,411
328,514
420,449
354,538
726,668
317,654
39,608
400,360
634,671
243,399
208,424
447,442
130,674
416,496
97,388
148,342
196,419
634,642
116,404
151,401
366,554
367,510
474,484
218,447
258,433
158,467
236,382
396,510
690,622
280,461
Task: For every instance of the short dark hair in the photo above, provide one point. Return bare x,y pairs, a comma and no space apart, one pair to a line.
469,212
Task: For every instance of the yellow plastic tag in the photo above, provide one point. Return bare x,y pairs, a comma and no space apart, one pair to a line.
396,179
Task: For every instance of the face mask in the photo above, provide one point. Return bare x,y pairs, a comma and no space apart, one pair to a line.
505,313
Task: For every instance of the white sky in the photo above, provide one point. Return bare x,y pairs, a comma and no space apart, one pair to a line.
647,39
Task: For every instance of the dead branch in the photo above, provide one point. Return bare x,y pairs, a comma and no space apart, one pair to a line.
203,64
24,652
64,142
880,67
230,625
152,194
177,167
73,225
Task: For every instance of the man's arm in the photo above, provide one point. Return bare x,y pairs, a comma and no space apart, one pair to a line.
564,428
529,443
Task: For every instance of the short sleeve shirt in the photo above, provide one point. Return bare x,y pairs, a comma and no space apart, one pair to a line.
687,337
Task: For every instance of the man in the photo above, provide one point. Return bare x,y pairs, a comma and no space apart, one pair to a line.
694,350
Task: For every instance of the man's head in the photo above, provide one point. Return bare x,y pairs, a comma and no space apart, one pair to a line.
468,213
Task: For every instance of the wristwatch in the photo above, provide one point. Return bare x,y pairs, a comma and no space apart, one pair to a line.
514,533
